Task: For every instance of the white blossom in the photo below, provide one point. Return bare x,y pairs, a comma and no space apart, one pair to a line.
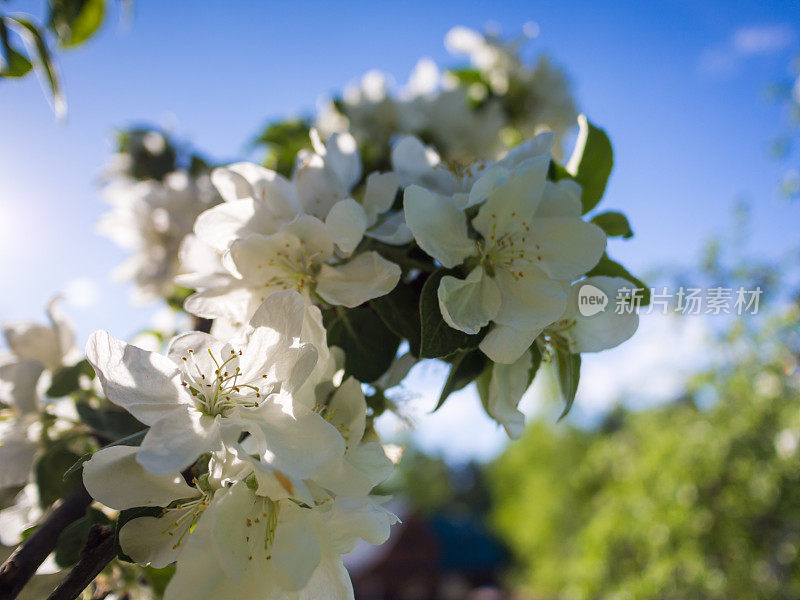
530,240
205,387
150,219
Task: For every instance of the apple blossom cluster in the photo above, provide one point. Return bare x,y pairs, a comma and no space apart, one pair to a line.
154,204
470,113
35,353
438,223
257,463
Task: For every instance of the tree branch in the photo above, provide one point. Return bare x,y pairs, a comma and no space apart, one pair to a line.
96,554
22,564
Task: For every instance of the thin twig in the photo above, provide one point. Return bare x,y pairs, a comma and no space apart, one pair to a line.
96,554
30,554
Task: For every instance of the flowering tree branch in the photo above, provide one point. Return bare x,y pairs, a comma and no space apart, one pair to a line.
96,554
22,564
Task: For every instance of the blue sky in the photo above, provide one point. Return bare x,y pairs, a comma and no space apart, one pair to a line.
678,85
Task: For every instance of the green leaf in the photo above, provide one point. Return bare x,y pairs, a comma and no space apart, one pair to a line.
29,31
50,471
466,366
437,338
569,371
536,362
468,76
611,268
109,421
591,162
369,345
159,578
73,537
615,224
67,379
178,296
399,310
125,516
284,139
482,382
15,64
75,21
134,439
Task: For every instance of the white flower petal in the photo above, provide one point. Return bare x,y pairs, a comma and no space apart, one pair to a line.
506,388
560,199
347,411
352,518
144,383
363,467
18,379
363,278
284,312
177,440
530,301
295,550
220,225
341,155
413,161
490,179
439,227
379,194
17,451
290,438
514,202
346,224
469,304
114,477
603,330
392,230
538,146
147,540
568,247
504,344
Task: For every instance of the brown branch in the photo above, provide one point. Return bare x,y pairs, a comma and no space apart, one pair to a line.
22,564
96,554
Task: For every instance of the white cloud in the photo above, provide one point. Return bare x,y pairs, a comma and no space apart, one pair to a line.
765,39
744,43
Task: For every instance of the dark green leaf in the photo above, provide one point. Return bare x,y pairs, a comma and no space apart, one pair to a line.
109,421
134,439
615,224
591,163
437,338
28,30
482,382
73,538
466,366
50,469
67,379
15,64
536,361
399,310
569,371
611,268
369,346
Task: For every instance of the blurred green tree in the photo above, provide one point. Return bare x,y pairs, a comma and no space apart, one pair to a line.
697,499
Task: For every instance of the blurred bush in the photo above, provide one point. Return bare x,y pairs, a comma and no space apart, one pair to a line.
697,499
